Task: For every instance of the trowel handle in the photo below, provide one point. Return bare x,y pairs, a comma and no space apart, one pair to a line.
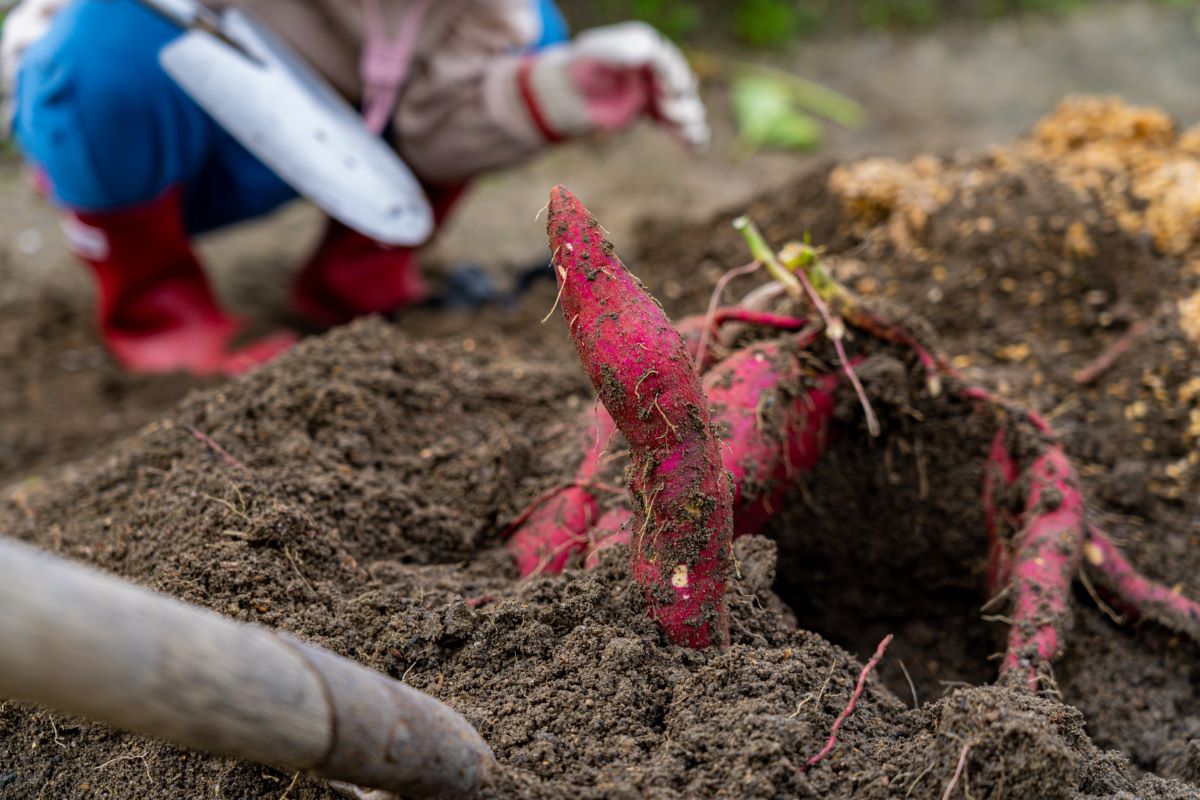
90,644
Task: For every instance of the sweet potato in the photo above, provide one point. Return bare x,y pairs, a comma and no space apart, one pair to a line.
644,375
555,527
1137,594
773,428
1045,559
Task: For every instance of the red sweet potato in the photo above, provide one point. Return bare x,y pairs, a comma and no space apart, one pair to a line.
546,535
772,428
644,375
764,450
556,526
1137,594
1046,558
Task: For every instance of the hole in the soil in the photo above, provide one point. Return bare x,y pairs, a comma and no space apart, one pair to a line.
889,537
939,637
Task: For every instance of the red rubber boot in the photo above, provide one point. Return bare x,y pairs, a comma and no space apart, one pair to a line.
157,311
351,275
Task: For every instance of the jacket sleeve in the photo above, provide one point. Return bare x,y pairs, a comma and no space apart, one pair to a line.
461,111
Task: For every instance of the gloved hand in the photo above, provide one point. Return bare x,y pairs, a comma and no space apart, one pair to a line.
607,77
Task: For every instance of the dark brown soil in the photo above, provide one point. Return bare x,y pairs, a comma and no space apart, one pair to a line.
353,494
62,396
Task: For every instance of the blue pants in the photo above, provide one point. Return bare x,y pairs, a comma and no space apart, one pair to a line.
97,113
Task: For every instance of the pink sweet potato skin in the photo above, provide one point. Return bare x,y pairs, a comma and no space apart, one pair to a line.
1046,559
544,540
768,438
646,378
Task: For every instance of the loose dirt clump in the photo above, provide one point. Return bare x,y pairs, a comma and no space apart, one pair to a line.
354,492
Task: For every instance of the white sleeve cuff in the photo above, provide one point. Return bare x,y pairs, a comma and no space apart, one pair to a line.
559,102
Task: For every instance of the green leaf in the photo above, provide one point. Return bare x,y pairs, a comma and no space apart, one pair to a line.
766,115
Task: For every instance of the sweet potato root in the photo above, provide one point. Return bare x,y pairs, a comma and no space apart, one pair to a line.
644,375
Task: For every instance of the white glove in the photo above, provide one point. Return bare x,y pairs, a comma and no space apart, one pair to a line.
607,77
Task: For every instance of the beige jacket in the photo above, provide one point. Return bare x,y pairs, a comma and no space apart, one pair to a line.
460,111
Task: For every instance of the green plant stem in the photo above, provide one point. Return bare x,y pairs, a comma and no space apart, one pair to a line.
798,286
809,95
763,252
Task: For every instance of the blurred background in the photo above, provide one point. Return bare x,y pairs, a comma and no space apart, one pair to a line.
789,84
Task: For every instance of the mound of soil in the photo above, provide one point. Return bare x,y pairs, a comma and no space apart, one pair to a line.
1029,261
353,494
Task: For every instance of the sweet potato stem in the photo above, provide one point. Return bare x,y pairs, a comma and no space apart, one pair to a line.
713,301
799,286
763,319
761,251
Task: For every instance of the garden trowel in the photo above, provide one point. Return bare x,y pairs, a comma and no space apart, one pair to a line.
283,112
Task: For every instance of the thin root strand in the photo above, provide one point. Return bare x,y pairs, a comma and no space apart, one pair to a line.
859,687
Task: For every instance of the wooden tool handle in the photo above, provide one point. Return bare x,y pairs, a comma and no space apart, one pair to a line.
92,645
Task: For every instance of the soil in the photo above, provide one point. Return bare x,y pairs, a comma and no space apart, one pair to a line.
353,493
